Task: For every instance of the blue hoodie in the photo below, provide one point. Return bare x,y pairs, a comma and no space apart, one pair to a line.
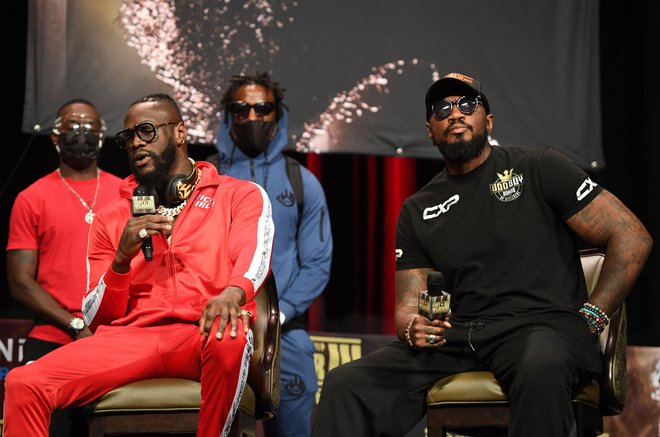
301,269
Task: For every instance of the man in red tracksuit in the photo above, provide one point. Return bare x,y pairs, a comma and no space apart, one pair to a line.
184,313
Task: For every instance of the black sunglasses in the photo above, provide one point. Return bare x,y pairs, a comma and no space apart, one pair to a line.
466,104
242,109
146,131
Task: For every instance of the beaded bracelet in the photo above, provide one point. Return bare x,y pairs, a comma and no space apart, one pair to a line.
600,314
596,327
595,317
406,332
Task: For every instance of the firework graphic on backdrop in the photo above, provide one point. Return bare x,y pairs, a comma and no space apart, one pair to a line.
194,45
365,98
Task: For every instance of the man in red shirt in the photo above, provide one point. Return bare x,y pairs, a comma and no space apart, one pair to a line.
185,310
48,231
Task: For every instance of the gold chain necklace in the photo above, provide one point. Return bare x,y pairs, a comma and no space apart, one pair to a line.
89,217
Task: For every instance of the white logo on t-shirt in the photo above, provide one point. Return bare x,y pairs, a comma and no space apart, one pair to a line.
441,208
587,187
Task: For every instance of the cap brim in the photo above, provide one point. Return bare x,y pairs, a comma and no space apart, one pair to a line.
448,86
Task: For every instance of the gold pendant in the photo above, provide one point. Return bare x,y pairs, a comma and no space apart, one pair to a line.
89,217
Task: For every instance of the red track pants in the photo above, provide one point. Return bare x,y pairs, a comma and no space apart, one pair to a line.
84,370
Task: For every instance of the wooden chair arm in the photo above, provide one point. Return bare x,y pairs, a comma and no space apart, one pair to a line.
264,372
613,379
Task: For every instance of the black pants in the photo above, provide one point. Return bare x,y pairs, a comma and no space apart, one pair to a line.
538,363
71,422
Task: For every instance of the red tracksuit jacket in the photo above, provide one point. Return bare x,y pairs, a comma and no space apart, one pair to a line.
205,254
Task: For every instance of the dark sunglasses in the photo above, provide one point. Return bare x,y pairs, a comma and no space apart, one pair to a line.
242,109
466,104
146,131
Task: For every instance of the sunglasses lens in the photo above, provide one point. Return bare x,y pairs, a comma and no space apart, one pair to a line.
124,138
239,109
146,131
442,109
242,109
467,105
262,109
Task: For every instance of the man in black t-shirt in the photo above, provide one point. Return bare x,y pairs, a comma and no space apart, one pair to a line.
502,225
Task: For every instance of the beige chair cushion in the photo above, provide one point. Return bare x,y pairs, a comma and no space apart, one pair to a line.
161,394
468,387
480,387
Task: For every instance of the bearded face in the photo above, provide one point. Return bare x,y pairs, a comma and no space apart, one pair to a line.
462,149
158,176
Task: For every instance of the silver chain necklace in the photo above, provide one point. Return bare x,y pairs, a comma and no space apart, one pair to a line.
89,217
171,212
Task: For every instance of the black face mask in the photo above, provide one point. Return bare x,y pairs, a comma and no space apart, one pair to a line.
79,147
253,137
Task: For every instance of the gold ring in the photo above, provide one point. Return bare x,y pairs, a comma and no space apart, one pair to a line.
246,313
143,233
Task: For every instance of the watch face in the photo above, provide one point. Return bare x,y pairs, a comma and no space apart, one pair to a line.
77,323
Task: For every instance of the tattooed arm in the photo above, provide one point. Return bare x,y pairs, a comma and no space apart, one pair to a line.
605,222
408,285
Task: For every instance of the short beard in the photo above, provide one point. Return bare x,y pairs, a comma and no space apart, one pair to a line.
462,150
158,177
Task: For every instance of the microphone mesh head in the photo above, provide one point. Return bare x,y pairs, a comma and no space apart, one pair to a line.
436,284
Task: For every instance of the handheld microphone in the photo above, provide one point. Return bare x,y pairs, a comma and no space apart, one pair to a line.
434,302
144,202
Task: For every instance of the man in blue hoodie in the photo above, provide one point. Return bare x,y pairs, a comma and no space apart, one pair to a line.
251,138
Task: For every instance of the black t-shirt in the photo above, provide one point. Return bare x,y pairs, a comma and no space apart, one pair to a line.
498,234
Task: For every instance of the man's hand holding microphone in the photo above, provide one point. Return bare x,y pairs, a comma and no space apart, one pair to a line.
428,329
144,223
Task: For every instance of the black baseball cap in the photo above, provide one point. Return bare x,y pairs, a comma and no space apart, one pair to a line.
454,84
